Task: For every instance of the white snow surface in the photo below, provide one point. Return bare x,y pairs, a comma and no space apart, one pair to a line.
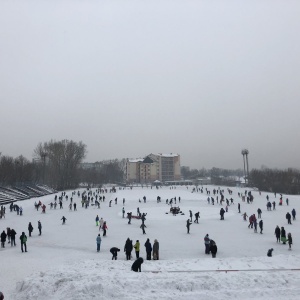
63,262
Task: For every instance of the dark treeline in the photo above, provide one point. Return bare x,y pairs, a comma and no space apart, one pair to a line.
58,164
276,181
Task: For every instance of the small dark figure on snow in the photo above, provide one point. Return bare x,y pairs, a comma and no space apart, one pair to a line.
270,252
40,227
23,239
288,217
261,224
143,226
136,266
114,251
207,244
294,214
64,220
222,212
197,215
30,228
188,224
213,248
277,234
290,240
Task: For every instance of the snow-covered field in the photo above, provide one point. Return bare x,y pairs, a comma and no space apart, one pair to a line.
63,263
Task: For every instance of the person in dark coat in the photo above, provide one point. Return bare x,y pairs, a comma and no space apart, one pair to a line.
137,265
128,248
288,217
64,220
13,237
30,228
155,251
294,214
143,226
188,224
40,227
259,213
261,224
290,240
283,236
222,212
3,239
197,215
270,252
23,239
213,248
207,243
114,251
277,234
148,247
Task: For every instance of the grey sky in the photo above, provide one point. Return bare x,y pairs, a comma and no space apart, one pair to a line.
204,79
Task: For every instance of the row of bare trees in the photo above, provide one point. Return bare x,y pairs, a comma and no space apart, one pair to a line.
274,180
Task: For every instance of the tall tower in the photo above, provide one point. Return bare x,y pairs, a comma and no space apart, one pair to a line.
245,153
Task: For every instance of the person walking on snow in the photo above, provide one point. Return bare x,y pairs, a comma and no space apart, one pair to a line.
40,227
143,226
23,239
294,214
188,224
104,227
261,224
288,217
290,240
97,220
64,220
101,223
98,241
277,234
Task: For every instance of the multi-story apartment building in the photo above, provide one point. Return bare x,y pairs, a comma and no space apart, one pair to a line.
162,167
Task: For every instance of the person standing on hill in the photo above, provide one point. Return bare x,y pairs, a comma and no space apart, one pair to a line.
137,248
148,247
261,224
97,220
290,240
259,213
98,241
277,234
104,227
294,214
23,239
30,228
101,223
288,217
156,250
188,224
213,248
12,237
64,220
3,239
40,227
283,236
191,215
222,212
206,243
128,248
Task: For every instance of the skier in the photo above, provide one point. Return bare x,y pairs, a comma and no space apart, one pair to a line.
23,239
207,243
290,240
114,251
277,234
98,241
128,248
148,247
137,248
155,250
30,228
64,220
188,224
136,266
40,227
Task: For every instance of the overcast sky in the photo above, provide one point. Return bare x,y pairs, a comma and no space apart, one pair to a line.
203,79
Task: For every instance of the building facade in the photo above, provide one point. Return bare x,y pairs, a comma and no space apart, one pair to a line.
161,167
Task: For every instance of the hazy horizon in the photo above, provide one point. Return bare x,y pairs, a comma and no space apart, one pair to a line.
203,79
